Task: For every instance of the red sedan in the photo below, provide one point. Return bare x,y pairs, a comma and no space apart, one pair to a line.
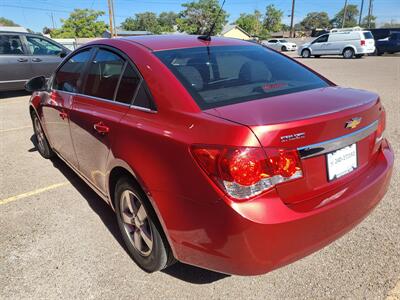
222,154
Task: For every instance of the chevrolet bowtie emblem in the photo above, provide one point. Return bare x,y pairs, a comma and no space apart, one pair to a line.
353,123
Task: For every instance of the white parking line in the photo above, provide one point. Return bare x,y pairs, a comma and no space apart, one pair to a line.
34,192
395,293
14,129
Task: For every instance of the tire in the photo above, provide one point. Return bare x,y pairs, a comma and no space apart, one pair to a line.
306,53
283,49
140,228
317,56
42,143
348,53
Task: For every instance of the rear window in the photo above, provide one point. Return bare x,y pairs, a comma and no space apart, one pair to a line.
223,75
368,35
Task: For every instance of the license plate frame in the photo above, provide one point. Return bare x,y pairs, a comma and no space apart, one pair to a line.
341,162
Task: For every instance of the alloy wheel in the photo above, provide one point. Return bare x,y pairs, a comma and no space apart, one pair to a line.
136,222
39,135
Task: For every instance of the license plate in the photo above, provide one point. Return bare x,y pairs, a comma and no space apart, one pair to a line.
342,161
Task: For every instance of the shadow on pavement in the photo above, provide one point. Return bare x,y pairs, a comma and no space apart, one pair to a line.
179,270
12,94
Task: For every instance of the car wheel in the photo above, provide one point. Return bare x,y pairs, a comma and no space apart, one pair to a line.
305,53
284,48
348,53
140,228
41,141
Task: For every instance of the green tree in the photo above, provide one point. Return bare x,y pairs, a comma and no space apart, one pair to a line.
81,23
251,23
273,19
146,21
391,24
351,17
198,17
167,21
315,20
372,24
7,22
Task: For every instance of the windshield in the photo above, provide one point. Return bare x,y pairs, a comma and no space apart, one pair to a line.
223,75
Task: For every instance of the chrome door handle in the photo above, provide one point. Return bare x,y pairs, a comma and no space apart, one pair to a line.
22,59
36,59
101,128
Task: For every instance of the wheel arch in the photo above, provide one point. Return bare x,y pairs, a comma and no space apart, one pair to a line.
120,168
349,47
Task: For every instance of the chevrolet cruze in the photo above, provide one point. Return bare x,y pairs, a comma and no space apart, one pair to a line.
222,154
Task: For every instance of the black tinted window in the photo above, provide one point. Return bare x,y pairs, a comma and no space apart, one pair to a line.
69,74
368,35
128,85
322,39
142,98
11,45
223,75
103,75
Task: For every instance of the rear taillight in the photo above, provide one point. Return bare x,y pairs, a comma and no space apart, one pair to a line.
362,42
244,172
381,127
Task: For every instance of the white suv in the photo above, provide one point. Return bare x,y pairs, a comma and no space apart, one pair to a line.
349,42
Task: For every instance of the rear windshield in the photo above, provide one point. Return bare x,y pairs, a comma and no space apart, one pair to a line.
223,75
368,35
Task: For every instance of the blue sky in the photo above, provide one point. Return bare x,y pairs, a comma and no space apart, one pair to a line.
36,14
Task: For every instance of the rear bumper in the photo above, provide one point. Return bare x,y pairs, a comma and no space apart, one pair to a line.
365,50
257,236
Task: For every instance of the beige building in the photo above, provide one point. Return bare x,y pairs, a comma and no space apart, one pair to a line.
234,31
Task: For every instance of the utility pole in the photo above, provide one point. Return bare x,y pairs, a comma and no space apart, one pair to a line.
113,14
110,13
291,20
344,13
52,20
361,10
369,13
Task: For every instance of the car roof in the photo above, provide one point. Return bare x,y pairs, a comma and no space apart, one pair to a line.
178,41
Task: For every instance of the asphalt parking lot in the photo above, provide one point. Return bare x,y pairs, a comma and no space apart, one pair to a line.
60,240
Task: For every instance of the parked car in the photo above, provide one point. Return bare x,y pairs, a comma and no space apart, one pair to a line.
222,154
26,55
389,45
347,42
281,45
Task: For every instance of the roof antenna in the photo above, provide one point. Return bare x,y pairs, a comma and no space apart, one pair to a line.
207,37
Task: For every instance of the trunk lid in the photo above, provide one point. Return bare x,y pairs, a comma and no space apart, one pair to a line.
298,120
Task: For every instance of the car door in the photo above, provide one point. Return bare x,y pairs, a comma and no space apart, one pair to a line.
57,106
45,55
15,63
319,45
109,88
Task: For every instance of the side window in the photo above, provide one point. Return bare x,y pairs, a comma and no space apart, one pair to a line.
128,85
11,45
322,39
39,46
143,99
272,41
103,75
67,77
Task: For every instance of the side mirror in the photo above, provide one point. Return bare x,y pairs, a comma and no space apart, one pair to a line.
63,54
36,84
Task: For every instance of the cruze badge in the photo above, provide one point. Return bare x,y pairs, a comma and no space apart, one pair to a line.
353,123
292,137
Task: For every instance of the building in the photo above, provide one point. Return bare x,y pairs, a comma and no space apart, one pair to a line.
234,31
121,32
